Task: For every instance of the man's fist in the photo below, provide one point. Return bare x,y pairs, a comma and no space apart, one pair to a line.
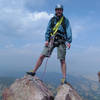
68,45
46,43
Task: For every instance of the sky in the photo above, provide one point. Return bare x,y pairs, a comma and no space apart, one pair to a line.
23,25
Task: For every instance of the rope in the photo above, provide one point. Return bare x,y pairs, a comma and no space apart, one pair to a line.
45,68
50,45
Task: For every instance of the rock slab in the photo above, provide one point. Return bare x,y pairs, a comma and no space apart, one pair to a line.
28,88
67,92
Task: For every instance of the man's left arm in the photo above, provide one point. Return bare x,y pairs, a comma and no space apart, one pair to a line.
68,33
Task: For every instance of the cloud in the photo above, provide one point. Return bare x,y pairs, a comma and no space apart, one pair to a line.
85,26
21,33
9,46
16,21
77,29
79,25
23,4
22,24
41,15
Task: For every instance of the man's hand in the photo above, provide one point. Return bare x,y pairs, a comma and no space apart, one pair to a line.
68,45
46,43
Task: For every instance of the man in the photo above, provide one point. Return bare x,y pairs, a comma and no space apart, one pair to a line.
62,38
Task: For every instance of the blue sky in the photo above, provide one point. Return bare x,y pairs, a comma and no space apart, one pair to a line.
22,28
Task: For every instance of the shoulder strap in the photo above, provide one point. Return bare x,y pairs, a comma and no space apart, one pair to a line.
64,24
55,29
52,21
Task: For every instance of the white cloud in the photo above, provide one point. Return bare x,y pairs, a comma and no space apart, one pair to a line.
27,4
22,24
40,15
9,46
77,29
83,25
21,33
18,22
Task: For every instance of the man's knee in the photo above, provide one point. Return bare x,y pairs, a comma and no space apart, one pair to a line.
62,61
42,57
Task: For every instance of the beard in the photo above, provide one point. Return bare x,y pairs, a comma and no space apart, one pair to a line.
59,14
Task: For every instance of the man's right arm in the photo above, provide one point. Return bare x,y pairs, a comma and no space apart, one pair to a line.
47,34
48,31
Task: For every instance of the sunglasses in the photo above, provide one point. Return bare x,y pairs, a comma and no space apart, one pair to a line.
59,9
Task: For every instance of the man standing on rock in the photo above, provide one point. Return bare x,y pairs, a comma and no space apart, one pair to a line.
58,35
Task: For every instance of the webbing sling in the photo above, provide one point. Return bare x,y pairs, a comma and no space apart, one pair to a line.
55,29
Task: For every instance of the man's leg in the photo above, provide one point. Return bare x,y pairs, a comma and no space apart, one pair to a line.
39,62
45,53
61,55
63,68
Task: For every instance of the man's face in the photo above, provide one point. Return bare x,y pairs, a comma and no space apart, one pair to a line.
59,12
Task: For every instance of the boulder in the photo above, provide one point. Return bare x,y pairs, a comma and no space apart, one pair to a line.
67,92
28,88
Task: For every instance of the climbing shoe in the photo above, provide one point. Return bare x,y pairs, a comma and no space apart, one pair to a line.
63,81
31,73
